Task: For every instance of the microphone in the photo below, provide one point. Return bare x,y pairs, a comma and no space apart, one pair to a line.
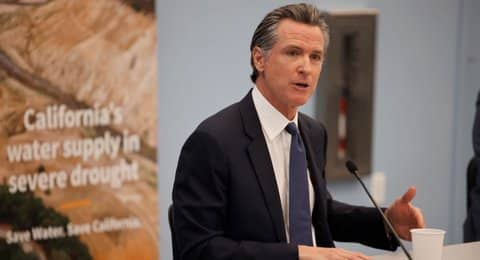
352,168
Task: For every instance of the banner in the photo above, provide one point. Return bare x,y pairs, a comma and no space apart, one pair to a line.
78,129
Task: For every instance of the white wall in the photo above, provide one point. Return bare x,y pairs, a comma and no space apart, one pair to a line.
421,130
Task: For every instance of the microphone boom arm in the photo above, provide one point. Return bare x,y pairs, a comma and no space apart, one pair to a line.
353,169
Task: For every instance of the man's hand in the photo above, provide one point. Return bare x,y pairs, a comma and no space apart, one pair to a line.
326,253
404,216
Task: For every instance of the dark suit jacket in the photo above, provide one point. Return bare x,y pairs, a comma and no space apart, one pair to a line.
226,200
476,128
471,226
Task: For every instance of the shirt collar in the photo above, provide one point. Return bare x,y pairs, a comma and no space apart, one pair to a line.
273,122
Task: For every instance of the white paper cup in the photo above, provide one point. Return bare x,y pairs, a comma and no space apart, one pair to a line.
427,243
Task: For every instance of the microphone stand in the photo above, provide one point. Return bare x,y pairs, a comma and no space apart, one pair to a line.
353,169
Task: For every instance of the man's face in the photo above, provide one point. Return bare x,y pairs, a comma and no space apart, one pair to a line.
289,72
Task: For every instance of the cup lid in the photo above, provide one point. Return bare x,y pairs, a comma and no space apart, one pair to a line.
428,231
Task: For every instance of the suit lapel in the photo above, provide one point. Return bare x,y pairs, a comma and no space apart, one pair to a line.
319,217
312,163
262,164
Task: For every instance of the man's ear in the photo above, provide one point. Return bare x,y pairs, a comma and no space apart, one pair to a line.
258,59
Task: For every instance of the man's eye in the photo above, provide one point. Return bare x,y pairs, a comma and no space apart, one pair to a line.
316,57
293,53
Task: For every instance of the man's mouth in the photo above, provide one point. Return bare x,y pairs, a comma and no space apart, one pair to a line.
302,85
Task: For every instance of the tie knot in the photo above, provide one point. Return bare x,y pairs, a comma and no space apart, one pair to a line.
292,129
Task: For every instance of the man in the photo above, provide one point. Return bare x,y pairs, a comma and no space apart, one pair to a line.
250,186
471,226
476,128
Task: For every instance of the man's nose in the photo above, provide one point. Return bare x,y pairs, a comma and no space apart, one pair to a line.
305,65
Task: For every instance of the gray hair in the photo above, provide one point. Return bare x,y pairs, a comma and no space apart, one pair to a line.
265,35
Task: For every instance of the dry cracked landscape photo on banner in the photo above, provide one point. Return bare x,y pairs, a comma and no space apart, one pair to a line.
78,169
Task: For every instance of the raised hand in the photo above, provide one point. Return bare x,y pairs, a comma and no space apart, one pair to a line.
404,216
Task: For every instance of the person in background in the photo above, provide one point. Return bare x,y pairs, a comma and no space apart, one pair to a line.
250,180
471,227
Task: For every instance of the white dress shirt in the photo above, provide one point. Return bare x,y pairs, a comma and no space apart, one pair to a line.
278,142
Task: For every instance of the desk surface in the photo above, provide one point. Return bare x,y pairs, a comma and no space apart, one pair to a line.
467,251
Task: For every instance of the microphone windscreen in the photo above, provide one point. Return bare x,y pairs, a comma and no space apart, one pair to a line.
352,168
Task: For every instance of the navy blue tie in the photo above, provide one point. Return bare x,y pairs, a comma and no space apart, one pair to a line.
299,210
